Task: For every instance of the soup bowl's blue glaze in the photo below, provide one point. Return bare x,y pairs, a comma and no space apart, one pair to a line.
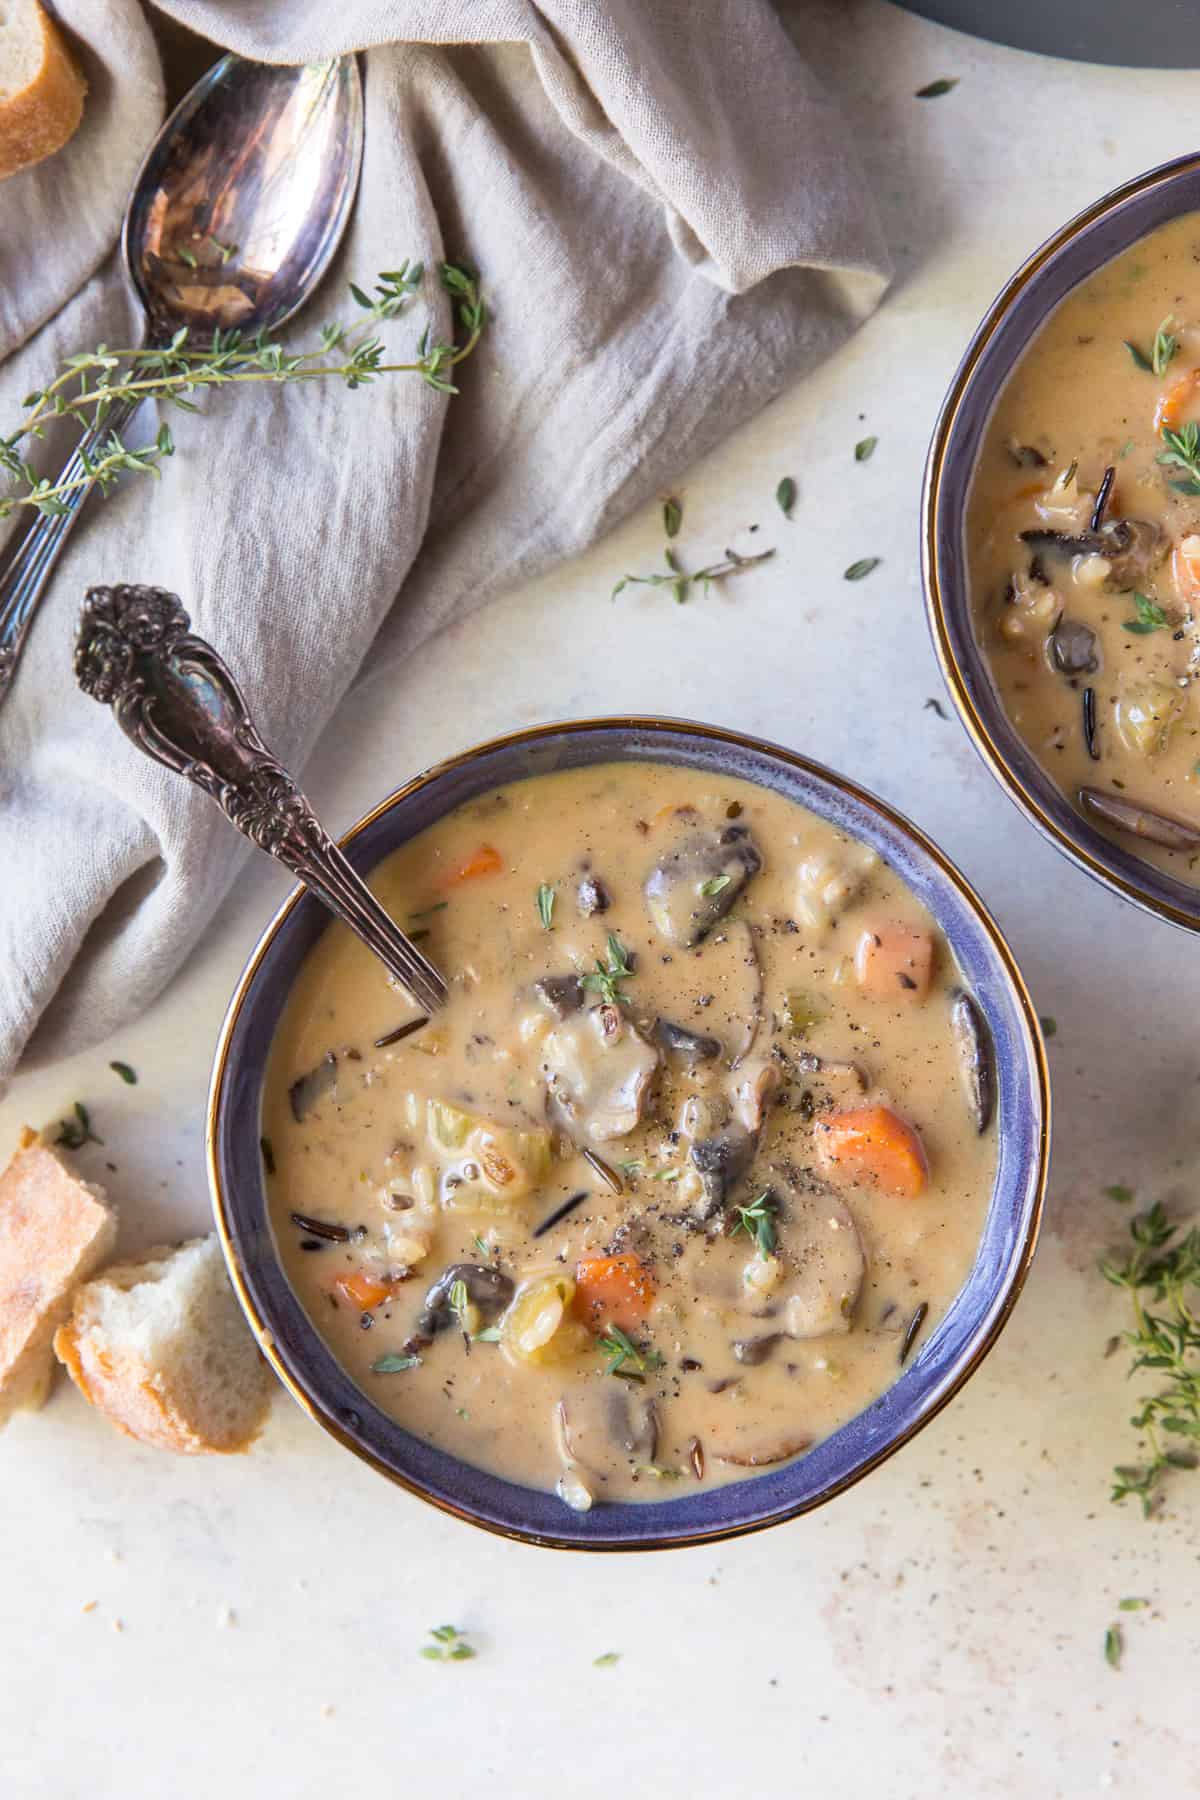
942,1363
1074,254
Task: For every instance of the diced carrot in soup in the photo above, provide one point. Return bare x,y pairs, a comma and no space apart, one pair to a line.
875,1146
894,962
1185,568
362,1290
1177,402
613,1290
487,860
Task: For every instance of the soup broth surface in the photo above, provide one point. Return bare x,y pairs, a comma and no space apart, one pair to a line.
1083,542
691,1158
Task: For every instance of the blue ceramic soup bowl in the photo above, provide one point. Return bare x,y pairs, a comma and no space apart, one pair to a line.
944,1361
1074,254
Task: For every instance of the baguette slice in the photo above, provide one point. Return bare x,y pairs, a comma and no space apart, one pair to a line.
54,1231
41,90
160,1346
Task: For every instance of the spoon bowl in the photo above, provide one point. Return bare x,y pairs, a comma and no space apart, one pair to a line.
234,218
244,196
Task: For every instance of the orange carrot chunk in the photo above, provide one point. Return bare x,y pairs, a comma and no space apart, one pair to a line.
487,860
1169,413
894,962
362,1290
613,1290
875,1146
1185,569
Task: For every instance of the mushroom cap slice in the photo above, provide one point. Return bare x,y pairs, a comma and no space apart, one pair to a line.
763,1458
693,886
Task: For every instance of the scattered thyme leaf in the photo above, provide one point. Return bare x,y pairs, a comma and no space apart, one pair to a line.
480,1245
672,517
623,1355
128,1075
1120,1193
393,1363
1132,1603
1114,1644
489,1335
607,975
1149,617
1049,1026
680,583
862,567
606,1661
716,884
1159,1275
864,450
933,90
1165,346
449,1645
545,905
758,1221
785,496
1139,357
75,1132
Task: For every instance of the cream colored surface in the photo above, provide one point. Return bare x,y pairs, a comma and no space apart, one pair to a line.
1079,398
937,1631
820,1320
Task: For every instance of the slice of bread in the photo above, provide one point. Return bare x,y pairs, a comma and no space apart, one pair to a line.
160,1345
55,1230
41,90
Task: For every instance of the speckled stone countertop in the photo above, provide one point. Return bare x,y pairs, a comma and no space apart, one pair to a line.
938,1630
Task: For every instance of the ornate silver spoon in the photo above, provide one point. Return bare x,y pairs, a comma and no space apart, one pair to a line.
234,217
176,700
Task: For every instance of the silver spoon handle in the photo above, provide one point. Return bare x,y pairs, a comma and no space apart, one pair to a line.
27,570
177,701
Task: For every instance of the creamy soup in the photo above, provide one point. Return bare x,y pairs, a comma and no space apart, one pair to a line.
1084,547
697,1152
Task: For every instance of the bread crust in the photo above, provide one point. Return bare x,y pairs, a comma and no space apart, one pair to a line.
130,1392
55,1231
43,116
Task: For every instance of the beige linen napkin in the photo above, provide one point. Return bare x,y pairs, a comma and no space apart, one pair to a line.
668,218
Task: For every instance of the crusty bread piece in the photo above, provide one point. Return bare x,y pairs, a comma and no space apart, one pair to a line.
160,1345
54,1231
41,90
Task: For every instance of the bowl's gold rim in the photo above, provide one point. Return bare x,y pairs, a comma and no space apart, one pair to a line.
740,740
931,513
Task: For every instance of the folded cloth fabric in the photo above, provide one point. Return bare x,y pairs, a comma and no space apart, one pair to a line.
666,211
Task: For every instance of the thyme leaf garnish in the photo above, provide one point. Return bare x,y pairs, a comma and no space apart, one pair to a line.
862,567
607,975
545,905
392,1363
758,1221
86,385
864,450
672,517
785,496
624,1357
933,90
1182,452
716,884
128,1075
1160,1275
1149,617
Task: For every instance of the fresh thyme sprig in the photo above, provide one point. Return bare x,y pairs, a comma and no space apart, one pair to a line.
87,385
1183,452
74,1133
623,1356
758,1220
680,580
606,975
1160,1272
449,1645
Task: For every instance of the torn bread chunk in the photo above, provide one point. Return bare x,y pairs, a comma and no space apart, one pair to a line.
55,1230
159,1344
41,89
